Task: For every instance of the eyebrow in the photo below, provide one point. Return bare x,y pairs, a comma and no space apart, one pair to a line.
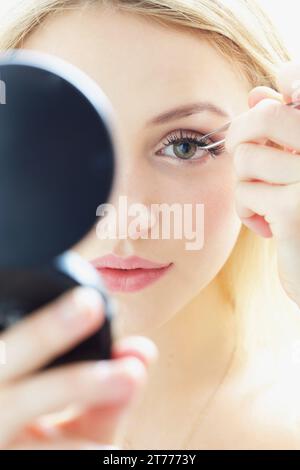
187,110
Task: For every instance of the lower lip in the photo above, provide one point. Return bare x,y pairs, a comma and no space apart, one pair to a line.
130,280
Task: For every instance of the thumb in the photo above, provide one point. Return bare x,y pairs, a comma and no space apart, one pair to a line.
260,93
102,423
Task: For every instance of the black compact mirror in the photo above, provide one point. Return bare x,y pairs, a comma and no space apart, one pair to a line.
56,168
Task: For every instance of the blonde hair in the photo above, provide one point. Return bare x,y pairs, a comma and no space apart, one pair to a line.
241,31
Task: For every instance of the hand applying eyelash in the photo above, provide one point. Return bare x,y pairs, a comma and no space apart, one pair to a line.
221,143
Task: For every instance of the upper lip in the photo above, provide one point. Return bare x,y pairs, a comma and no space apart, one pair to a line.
132,262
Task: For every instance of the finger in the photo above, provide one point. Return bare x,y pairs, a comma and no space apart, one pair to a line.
261,92
99,423
63,444
102,422
105,422
245,210
257,198
50,331
278,205
139,346
253,161
288,80
258,94
92,383
270,120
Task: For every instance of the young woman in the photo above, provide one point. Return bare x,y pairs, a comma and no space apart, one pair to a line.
225,318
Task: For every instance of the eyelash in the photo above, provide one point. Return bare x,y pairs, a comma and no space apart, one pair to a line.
191,137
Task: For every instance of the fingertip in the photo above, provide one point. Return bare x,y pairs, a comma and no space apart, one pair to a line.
140,347
135,370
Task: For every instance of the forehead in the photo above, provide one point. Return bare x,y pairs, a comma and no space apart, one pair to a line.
134,58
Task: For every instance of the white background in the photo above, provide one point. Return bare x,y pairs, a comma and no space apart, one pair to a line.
286,16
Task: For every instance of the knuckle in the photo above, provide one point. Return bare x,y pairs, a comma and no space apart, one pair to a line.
233,134
270,111
241,158
41,332
81,377
83,300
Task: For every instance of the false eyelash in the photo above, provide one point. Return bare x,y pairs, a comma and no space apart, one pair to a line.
193,139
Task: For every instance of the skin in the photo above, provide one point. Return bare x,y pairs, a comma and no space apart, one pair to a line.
193,329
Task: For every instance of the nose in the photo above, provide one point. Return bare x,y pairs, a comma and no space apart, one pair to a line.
128,218
131,213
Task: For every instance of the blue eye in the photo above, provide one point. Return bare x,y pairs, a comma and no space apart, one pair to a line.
188,146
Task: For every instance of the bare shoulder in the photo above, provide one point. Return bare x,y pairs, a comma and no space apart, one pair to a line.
274,412
260,410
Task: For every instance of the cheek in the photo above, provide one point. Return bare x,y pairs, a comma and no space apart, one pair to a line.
216,199
219,210
220,226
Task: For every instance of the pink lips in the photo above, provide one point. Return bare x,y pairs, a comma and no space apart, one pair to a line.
128,274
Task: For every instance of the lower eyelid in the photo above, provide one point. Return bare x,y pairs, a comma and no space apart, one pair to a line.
199,160
191,161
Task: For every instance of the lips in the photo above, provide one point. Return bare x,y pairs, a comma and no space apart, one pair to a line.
129,274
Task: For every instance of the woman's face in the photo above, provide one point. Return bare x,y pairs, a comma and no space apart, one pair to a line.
146,70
